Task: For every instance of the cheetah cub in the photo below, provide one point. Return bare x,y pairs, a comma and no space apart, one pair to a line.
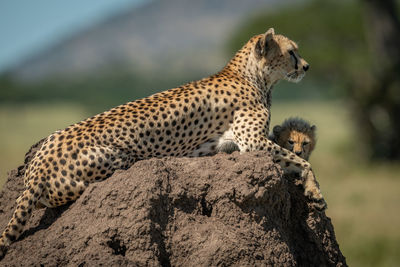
177,122
296,135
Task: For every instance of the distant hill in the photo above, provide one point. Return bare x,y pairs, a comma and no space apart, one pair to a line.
172,37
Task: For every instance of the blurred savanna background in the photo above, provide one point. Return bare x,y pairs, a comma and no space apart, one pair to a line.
61,62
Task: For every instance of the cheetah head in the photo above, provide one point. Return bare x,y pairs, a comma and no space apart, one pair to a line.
277,58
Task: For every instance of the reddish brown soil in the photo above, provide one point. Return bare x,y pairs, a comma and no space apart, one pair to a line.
226,210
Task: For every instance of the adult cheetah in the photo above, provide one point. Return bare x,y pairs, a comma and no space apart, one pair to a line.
175,122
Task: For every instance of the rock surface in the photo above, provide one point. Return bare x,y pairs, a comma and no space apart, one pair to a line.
225,210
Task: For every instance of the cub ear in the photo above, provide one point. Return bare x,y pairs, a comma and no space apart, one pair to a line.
263,43
313,128
277,130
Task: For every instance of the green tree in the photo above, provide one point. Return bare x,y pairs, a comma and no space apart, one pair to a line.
377,103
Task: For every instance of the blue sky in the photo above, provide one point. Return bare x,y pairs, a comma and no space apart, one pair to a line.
28,26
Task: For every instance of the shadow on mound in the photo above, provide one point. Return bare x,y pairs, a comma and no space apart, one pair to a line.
224,210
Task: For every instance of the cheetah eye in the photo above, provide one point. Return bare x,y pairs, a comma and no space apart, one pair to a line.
305,143
291,142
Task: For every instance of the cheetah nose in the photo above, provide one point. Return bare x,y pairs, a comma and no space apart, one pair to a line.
298,153
306,67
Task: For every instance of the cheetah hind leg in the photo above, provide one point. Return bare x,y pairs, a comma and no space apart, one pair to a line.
38,204
25,203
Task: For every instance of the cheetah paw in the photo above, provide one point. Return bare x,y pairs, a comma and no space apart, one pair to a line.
319,204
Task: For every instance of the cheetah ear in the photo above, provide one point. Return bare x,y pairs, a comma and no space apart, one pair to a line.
263,43
259,51
313,128
269,35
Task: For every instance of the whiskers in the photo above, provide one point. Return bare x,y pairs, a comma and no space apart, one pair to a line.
294,77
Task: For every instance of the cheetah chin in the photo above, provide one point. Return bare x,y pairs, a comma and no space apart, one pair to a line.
294,77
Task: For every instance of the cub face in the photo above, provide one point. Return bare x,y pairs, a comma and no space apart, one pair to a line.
278,57
300,143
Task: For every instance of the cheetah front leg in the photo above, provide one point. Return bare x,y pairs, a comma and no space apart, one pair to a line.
291,162
254,137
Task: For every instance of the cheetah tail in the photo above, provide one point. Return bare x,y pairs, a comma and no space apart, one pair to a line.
25,204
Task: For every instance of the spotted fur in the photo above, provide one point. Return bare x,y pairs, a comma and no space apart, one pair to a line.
176,122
